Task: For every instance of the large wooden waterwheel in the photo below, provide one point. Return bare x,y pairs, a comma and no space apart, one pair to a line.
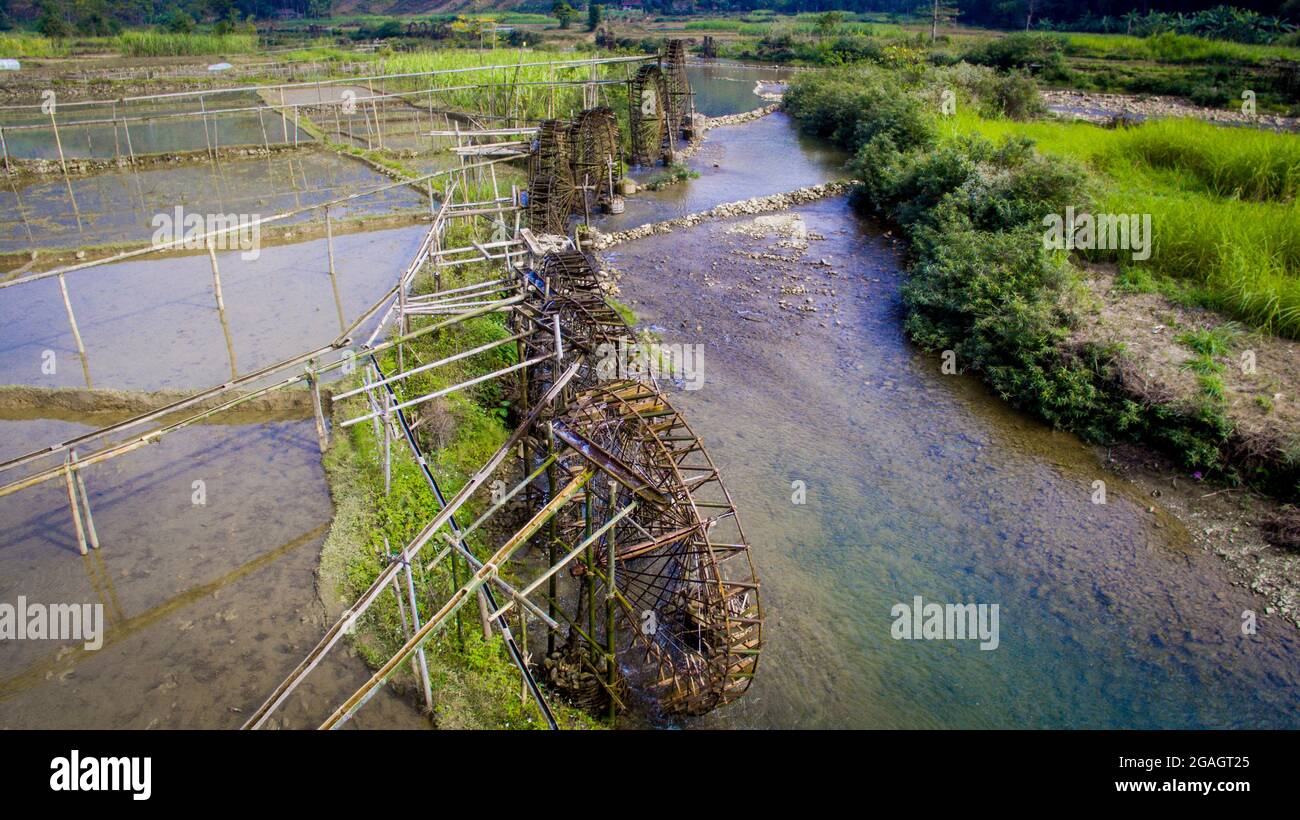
597,165
652,139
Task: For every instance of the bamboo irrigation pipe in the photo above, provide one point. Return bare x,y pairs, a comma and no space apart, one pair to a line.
518,657
341,80
489,569
350,616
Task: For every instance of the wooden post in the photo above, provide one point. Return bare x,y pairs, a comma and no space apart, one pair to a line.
126,128
85,500
76,510
76,334
334,281
611,668
415,622
322,433
5,148
284,121
59,142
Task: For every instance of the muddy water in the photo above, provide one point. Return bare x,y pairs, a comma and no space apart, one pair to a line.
924,484
153,323
120,205
207,606
102,138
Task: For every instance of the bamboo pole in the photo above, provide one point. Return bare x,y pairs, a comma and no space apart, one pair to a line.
5,148
126,129
206,139
58,142
76,334
221,309
611,666
485,573
415,620
284,121
334,281
322,432
76,510
448,511
85,500
550,544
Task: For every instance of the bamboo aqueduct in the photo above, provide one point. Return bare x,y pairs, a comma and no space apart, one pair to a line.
640,569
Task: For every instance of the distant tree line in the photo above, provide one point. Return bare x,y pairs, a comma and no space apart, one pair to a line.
1205,17
100,17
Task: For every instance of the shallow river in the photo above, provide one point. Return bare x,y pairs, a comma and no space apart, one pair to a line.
921,484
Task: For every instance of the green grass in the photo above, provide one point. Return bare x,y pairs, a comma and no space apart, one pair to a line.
497,99
474,683
1172,48
1225,216
167,44
30,45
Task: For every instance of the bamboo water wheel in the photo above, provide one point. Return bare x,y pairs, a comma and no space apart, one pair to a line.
652,139
597,164
689,621
685,584
550,188
679,97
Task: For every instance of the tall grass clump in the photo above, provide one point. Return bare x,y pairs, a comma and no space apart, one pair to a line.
1230,162
30,45
175,44
490,92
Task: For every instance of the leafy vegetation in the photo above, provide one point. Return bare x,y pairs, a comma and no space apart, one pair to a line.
970,193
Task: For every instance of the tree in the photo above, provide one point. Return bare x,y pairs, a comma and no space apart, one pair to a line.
563,12
828,22
53,21
940,14
594,14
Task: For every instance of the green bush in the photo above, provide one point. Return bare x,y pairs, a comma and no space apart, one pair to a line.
1021,50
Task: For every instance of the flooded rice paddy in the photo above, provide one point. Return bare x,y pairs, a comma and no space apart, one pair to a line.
166,126
120,205
207,606
153,323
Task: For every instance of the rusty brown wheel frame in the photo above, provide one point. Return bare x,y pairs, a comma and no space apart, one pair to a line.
597,163
681,551
548,204
550,179
587,319
686,584
678,86
652,139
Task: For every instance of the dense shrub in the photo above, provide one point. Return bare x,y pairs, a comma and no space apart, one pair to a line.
1021,50
853,107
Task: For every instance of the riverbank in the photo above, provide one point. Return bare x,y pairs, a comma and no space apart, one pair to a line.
1118,365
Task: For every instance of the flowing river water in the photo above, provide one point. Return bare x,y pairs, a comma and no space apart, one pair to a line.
924,484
